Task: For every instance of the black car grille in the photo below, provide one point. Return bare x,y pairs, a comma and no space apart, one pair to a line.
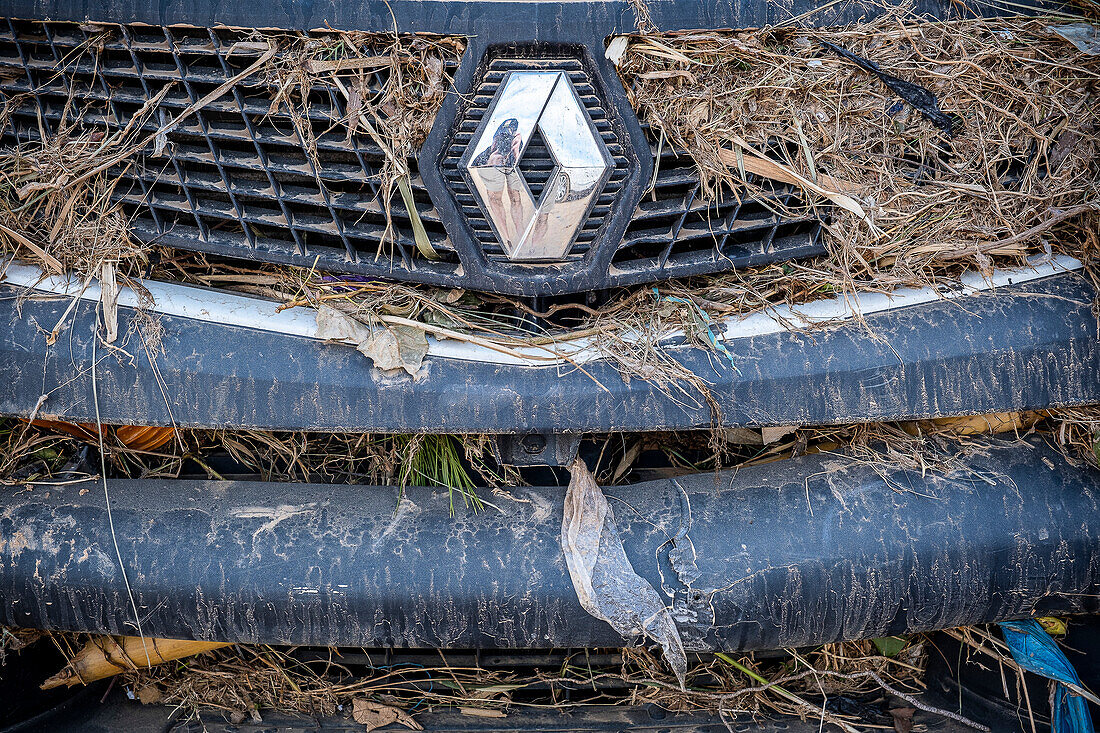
677,232
234,178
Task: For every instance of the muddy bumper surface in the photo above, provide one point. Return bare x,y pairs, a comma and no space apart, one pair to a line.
1024,346
797,552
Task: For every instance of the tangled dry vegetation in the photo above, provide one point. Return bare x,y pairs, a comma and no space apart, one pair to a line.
467,465
248,681
1014,172
51,450
1011,165
56,202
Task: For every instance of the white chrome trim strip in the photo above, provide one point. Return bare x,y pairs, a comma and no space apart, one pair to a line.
220,307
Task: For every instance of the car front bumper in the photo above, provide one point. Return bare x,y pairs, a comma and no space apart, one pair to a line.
1022,340
800,552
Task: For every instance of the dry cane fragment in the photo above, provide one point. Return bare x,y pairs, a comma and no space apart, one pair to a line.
135,437
106,656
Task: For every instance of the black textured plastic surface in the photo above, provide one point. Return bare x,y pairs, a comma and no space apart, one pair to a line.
234,178
795,553
1028,346
120,716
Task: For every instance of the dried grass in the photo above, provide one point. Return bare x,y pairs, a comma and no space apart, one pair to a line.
54,206
466,463
1020,172
56,202
1076,431
45,453
28,453
397,117
244,679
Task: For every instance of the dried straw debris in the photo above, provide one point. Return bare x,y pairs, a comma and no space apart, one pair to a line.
907,205
50,451
244,681
397,117
56,193
1020,170
1076,431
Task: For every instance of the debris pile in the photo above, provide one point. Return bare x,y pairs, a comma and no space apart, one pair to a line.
51,451
242,681
397,117
1009,169
927,144
852,685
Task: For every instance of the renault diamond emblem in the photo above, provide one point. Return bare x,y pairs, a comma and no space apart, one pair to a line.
546,102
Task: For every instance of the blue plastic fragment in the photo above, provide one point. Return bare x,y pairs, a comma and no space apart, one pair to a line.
713,331
1034,650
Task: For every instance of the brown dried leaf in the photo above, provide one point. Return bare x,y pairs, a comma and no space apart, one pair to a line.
149,695
903,719
669,74
108,300
482,712
314,66
355,111
375,715
389,347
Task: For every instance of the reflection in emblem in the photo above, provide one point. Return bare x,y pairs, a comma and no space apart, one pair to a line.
547,102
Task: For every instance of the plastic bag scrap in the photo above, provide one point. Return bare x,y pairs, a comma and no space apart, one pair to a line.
1085,36
605,582
1035,651
917,96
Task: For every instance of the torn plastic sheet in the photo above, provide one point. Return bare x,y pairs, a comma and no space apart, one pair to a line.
1085,36
605,582
917,96
692,609
1034,650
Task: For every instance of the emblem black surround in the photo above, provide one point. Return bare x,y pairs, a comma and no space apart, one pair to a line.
484,259
569,165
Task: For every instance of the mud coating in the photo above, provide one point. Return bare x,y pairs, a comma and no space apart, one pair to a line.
794,553
1024,346
487,21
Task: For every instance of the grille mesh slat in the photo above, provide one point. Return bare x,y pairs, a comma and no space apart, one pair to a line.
235,177
676,231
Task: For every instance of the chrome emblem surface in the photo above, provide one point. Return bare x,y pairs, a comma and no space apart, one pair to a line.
543,101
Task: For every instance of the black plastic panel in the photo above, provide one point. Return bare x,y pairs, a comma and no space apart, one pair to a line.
1028,346
800,552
